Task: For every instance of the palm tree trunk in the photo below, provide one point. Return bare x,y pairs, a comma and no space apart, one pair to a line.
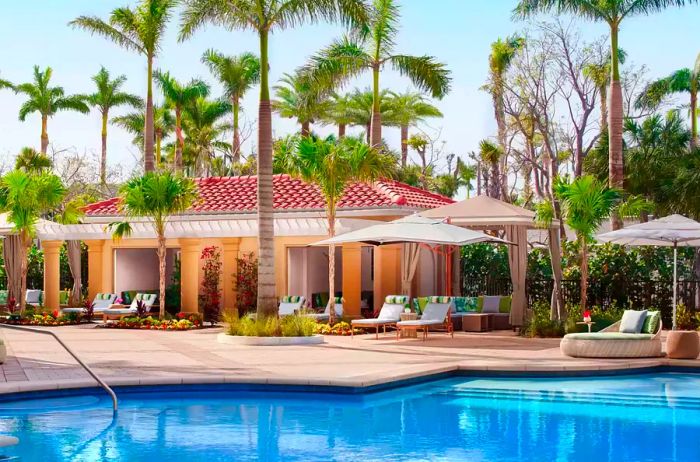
368,132
180,142
103,159
603,109
404,145
376,124
161,274
616,176
501,182
44,134
148,154
159,139
267,300
341,131
693,116
236,146
305,128
331,265
495,183
478,179
584,273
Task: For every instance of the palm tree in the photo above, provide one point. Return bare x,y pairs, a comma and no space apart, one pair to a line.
163,126
141,30
32,161
370,49
502,54
361,107
237,74
339,113
612,12
202,123
334,165
406,110
491,154
299,98
26,196
156,196
178,95
682,81
585,204
47,101
108,96
264,17
599,73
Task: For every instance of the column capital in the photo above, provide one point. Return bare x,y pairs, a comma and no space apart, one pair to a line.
53,246
94,245
189,244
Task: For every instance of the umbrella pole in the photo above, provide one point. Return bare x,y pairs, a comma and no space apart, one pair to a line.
675,281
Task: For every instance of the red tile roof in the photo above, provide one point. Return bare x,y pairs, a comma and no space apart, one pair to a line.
239,194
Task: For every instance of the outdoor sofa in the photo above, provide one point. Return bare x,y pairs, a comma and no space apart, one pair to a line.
611,343
389,315
436,314
122,311
326,315
496,306
101,302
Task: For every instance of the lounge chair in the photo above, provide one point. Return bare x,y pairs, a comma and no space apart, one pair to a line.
122,311
326,315
290,304
436,314
101,302
33,297
389,315
611,343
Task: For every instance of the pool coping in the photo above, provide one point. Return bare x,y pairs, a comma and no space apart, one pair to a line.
127,385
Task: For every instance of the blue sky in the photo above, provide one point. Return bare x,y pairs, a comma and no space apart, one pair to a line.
457,32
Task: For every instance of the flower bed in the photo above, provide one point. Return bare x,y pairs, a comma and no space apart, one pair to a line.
339,328
183,321
44,319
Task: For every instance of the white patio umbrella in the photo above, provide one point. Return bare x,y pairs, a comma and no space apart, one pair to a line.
671,231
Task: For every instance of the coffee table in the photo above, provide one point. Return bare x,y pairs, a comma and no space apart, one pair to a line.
477,322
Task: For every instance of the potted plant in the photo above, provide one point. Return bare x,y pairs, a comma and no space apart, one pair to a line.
683,342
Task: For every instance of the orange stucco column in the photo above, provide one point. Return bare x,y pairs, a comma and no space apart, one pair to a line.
94,268
230,269
52,273
352,279
387,273
189,272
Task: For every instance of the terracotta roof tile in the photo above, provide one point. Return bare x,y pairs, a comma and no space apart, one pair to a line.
239,194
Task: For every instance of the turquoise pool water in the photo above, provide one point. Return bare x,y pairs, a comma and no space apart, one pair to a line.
652,417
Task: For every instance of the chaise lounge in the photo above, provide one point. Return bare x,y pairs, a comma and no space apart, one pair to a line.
389,315
436,314
611,343
326,315
122,311
290,305
101,302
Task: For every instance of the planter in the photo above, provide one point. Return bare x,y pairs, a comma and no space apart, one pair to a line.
682,344
268,341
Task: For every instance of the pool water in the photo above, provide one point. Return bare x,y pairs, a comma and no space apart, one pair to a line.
651,417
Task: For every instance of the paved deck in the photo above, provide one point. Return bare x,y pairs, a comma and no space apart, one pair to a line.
133,357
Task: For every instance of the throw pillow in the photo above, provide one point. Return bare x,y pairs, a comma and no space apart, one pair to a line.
632,321
472,304
651,322
491,304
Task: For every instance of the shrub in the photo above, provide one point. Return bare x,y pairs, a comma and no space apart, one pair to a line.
539,325
173,291
297,326
210,299
251,326
89,311
141,308
247,284
685,319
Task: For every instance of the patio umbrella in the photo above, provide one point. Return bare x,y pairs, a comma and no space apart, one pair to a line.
417,230
670,231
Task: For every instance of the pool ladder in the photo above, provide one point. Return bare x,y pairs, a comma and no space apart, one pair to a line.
101,382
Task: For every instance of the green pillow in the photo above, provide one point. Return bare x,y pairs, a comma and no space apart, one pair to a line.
396,299
419,304
504,304
439,299
651,323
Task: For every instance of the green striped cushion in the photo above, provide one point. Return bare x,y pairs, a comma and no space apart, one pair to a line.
291,299
396,299
338,300
439,299
651,323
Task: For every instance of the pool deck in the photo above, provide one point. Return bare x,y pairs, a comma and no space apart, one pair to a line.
134,357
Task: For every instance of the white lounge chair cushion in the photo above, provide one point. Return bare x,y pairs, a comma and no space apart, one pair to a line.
389,314
435,311
419,322
119,311
287,308
491,304
147,299
33,296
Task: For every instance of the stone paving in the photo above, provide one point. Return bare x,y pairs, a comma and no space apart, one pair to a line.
133,357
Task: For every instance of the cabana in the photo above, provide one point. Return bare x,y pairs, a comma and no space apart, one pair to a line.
486,213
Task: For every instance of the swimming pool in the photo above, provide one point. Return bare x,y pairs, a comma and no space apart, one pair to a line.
652,417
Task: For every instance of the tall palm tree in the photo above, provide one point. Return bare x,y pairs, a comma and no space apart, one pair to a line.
178,95
334,165
339,113
163,126
370,49
157,196
108,96
26,196
237,74
203,124
265,17
502,54
682,81
141,30
599,73
47,101
299,98
406,110
612,12
491,154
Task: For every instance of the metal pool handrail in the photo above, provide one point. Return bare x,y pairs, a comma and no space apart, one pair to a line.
102,383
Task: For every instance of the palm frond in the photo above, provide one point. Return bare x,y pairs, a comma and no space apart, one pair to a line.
97,26
425,73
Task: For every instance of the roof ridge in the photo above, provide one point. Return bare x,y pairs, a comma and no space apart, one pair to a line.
389,181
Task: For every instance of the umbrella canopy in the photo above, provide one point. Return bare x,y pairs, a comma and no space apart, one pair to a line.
416,229
671,231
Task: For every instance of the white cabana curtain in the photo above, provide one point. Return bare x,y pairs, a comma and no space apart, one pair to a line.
73,251
557,306
13,270
517,259
409,264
